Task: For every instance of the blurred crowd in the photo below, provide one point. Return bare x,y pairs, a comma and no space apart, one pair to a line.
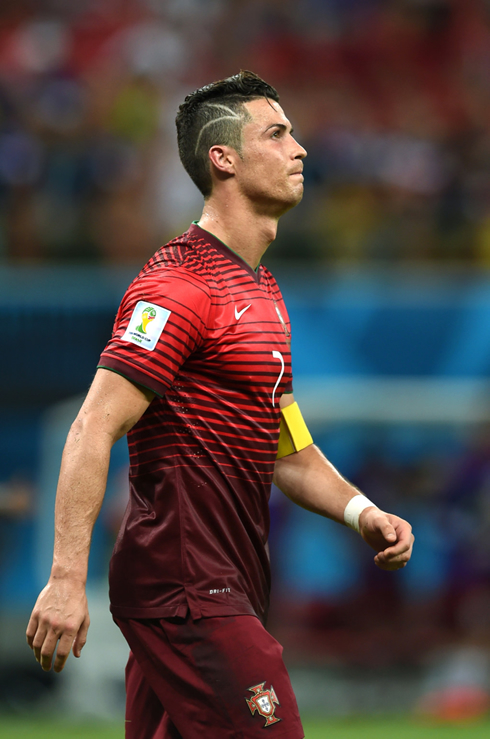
391,98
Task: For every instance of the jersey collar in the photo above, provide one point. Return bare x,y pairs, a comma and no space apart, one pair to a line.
221,247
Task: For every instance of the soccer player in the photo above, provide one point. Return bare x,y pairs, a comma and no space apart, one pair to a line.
198,375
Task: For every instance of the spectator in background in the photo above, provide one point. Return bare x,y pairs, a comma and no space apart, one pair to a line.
394,107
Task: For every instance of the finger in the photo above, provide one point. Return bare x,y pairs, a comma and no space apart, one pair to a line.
63,650
38,641
81,638
48,649
31,630
401,550
404,544
397,550
388,532
390,564
404,535
389,556
393,560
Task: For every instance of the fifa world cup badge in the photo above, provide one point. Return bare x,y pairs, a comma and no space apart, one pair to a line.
146,325
265,702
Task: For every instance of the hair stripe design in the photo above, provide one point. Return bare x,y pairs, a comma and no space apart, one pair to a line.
232,116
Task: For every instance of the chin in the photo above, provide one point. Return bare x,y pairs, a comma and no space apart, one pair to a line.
276,206
296,198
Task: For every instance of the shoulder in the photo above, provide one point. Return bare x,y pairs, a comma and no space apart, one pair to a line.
189,251
176,278
174,287
188,257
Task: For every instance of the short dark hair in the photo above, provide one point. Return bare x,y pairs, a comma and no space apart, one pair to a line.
213,115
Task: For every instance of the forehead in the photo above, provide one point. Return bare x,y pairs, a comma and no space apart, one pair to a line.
264,114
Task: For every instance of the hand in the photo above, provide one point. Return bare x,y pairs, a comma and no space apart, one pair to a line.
389,535
60,615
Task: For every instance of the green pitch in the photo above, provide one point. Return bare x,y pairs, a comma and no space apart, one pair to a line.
400,727
367,728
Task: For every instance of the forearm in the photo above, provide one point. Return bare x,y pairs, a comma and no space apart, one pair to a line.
60,619
310,481
81,488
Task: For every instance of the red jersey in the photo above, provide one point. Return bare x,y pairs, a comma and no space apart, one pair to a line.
210,337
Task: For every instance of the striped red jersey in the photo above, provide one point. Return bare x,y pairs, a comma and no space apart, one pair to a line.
210,337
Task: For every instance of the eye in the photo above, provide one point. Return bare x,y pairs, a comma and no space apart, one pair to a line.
277,133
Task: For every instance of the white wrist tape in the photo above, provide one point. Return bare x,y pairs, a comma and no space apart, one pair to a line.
354,508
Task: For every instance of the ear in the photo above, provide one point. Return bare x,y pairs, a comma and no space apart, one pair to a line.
223,159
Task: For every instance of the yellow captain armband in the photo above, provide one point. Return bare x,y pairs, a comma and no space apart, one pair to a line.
293,432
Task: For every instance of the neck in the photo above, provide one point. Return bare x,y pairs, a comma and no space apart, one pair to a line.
246,232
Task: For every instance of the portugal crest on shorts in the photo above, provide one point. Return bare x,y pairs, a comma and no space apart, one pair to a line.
265,702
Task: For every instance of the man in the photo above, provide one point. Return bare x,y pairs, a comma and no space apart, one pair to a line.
198,374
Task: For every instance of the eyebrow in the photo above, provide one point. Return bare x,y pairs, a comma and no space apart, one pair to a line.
282,126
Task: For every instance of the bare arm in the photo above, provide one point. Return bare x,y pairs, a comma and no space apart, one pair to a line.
112,406
310,481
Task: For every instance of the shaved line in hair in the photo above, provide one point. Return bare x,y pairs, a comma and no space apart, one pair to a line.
232,116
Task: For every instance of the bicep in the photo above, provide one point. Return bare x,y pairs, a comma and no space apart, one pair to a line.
293,431
113,404
286,399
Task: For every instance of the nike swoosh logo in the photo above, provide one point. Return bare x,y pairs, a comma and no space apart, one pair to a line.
239,314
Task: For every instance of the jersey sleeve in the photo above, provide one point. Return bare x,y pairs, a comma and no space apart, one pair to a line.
160,322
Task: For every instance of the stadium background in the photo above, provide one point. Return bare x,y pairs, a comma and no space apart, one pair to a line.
384,267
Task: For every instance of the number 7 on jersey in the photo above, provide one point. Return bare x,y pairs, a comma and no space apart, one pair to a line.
277,355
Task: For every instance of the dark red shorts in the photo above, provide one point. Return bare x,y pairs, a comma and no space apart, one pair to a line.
215,678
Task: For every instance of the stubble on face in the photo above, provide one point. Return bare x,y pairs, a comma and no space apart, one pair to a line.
270,167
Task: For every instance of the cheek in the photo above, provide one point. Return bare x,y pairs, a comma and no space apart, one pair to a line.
261,174
258,178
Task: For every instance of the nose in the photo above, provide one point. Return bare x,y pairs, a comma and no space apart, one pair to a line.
301,152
